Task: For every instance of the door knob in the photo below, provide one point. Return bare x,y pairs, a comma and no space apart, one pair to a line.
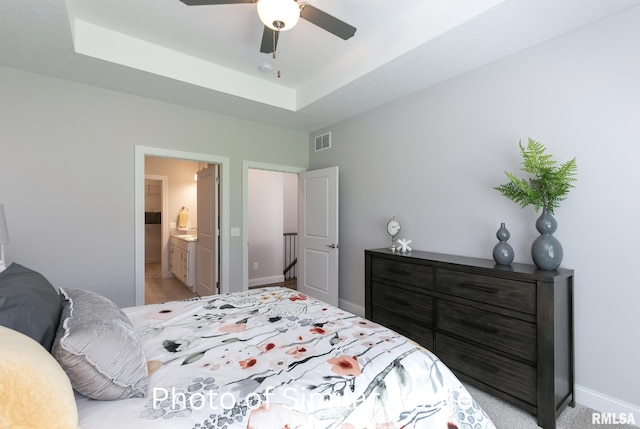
333,246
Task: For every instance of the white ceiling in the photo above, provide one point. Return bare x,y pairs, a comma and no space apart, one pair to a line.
207,57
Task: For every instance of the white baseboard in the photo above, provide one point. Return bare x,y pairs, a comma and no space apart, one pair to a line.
351,307
266,280
604,403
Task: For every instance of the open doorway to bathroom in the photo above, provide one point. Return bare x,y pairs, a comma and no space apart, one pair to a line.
176,170
181,229
170,191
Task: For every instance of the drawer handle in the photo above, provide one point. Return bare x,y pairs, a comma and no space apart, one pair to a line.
481,364
479,288
486,329
399,301
399,272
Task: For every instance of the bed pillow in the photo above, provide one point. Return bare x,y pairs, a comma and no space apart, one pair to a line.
98,348
29,304
34,392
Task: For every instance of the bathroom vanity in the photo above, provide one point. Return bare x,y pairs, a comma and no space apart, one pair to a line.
183,259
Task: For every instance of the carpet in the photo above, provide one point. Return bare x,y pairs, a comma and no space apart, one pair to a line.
507,416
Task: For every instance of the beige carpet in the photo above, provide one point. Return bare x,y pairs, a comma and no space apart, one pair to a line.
507,416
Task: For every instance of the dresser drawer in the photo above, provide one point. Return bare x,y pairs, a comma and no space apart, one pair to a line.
419,333
511,294
506,334
414,276
507,329
512,377
406,303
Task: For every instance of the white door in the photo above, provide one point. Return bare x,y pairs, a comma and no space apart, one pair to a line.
318,234
207,246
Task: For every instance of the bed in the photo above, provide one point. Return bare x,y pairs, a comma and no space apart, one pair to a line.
265,358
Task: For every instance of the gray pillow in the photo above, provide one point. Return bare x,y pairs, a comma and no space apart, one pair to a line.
98,348
29,304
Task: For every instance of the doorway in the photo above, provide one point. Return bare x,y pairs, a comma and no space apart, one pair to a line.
170,187
272,232
321,257
154,188
223,163
250,165
159,283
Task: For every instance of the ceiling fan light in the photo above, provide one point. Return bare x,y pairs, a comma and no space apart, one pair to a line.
279,15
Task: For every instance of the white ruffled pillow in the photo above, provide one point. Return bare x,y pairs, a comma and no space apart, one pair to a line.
98,348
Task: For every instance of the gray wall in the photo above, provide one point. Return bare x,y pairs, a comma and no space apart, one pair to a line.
432,158
265,226
67,157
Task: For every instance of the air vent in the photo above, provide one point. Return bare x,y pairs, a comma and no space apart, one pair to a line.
323,142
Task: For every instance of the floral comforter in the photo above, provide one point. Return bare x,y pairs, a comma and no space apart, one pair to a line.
275,358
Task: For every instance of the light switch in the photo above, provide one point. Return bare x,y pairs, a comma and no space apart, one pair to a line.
235,232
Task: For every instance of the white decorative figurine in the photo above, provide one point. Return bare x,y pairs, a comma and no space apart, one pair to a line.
403,245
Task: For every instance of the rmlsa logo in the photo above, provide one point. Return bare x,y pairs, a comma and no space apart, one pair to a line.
613,419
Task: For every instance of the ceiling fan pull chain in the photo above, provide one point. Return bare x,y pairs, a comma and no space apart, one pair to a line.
274,44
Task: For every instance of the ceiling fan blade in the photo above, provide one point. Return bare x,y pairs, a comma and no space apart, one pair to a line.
214,2
268,43
327,22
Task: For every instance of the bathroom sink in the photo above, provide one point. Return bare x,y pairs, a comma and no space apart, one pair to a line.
187,237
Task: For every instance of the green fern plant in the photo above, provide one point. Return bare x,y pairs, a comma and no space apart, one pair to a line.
549,185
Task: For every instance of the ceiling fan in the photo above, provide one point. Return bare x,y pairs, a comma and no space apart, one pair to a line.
282,15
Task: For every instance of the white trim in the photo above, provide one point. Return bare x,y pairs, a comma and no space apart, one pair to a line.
110,45
246,165
266,280
604,403
140,153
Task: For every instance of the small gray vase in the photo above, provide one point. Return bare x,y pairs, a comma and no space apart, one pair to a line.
546,250
503,252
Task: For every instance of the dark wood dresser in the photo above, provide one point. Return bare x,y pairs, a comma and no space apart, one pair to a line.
505,329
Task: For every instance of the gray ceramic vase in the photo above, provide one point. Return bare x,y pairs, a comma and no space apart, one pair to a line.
546,250
503,252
